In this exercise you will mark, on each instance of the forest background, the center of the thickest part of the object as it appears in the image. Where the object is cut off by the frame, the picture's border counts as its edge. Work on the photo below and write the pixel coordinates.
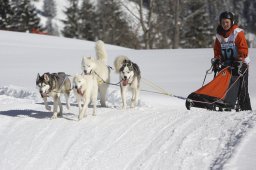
(138, 24)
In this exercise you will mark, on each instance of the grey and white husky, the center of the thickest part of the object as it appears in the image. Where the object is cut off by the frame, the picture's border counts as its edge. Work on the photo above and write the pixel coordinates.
(53, 85)
(130, 77)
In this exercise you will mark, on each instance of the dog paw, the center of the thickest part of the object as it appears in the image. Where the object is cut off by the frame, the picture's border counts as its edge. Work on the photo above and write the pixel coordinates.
(133, 104)
(54, 116)
(59, 114)
(103, 104)
(48, 108)
(81, 116)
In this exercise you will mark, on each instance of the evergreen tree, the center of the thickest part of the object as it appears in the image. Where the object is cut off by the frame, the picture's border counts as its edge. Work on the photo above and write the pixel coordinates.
(49, 11)
(197, 28)
(6, 15)
(49, 8)
(112, 25)
(25, 16)
(88, 24)
(71, 28)
(249, 13)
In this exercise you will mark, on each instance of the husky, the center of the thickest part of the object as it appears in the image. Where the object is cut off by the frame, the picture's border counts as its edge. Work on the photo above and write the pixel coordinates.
(52, 85)
(86, 89)
(98, 67)
(130, 77)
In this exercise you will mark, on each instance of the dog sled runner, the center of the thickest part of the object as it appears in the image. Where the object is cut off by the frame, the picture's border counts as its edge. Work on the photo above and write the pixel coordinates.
(219, 94)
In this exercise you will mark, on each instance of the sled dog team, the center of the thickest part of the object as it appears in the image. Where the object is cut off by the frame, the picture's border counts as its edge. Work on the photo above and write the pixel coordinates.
(94, 79)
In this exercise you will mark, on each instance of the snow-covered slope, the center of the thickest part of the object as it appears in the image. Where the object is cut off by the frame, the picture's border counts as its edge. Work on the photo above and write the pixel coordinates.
(159, 134)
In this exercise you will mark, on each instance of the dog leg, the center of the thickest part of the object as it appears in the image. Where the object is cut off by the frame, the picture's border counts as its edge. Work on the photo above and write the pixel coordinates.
(133, 103)
(55, 107)
(103, 93)
(47, 107)
(137, 94)
(67, 101)
(61, 108)
(123, 94)
(79, 104)
(135, 97)
(94, 100)
(82, 112)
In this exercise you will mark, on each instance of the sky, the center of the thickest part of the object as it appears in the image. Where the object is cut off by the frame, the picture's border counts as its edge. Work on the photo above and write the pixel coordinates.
(158, 134)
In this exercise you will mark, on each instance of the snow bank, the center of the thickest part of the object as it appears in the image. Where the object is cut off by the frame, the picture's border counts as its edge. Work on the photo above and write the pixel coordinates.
(18, 92)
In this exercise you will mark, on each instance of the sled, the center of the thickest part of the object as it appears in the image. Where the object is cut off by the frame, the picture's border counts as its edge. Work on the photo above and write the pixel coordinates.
(220, 94)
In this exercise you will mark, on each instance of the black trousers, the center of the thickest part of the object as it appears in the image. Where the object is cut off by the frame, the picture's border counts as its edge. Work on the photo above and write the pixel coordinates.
(243, 94)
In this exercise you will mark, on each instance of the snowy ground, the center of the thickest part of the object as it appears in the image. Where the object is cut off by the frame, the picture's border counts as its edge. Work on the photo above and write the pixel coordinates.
(159, 134)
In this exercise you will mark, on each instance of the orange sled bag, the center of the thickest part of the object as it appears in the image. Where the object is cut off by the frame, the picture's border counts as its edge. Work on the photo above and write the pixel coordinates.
(219, 94)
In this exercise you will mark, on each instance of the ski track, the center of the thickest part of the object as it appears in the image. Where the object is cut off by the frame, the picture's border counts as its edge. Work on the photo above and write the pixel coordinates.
(235, 135)
(171, 144)
(157, 144)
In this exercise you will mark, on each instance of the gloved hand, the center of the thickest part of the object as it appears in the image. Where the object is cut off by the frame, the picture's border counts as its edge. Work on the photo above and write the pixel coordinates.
(215, 64)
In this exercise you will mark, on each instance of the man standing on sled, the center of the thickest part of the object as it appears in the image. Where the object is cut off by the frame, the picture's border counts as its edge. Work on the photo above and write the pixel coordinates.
(231, 49)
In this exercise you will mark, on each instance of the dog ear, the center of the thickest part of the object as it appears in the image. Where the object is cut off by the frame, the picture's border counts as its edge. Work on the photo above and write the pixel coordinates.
(83, 59)
(129, 63)
(46, 77)
(38, 77)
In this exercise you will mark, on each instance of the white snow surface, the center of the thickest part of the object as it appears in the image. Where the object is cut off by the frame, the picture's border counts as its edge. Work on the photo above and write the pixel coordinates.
(158, 134)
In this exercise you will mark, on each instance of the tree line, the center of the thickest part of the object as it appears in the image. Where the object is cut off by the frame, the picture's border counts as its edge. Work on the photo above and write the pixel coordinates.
(144, 24)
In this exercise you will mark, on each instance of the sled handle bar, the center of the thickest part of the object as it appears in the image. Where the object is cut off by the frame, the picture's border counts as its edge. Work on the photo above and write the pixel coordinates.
(207, 72)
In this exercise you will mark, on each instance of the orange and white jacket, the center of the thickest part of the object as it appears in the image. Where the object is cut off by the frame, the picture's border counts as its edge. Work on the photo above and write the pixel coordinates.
(231, 45)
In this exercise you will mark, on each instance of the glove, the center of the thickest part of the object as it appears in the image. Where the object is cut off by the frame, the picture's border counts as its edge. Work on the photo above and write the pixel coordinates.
(215, 64)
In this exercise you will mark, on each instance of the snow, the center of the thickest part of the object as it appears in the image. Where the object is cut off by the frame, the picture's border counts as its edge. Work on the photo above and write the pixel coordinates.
(158, 134)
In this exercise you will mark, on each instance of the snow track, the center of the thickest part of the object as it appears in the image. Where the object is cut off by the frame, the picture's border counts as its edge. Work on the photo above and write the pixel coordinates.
(149, 137)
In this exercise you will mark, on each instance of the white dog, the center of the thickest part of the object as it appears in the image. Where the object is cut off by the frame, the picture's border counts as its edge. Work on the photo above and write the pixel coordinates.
(130, 78)
(86, 90)
(98, 67)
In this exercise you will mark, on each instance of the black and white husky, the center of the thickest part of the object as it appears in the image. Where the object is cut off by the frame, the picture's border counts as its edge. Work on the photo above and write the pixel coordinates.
(129, 79)
(53, 85)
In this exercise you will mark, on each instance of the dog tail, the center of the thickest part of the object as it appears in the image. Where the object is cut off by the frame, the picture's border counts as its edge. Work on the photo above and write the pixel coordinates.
(101, 52)
(119, 62)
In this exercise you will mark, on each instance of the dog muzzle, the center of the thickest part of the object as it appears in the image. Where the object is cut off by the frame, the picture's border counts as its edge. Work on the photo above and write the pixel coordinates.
(79, 91)
(125, 82)
(87, 73)
(43, 95)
